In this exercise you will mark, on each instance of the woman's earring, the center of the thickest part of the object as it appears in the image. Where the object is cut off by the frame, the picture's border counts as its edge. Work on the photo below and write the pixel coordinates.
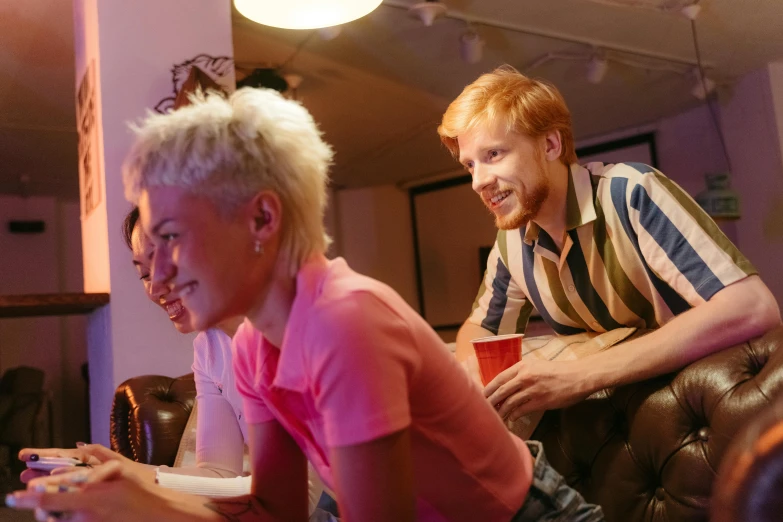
(259, 248)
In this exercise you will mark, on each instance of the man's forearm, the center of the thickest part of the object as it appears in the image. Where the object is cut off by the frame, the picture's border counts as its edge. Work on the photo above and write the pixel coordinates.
(737, 313)
(468, 332)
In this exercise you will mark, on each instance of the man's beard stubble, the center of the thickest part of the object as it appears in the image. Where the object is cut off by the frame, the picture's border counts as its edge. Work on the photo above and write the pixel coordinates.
(529, 205)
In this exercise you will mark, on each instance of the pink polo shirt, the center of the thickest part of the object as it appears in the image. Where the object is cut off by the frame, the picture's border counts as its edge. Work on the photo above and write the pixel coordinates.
(357, 364)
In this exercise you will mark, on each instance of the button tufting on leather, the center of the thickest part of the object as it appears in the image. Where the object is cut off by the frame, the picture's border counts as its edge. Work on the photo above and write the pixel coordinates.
(658, 431)
(164, 396)
(756, 363)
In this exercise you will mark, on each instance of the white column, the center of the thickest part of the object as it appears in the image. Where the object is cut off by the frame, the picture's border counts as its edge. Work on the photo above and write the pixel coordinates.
(753, 125)
(130, 56)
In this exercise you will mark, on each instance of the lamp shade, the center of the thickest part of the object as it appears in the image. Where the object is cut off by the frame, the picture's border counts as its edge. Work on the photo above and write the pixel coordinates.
(304, 14)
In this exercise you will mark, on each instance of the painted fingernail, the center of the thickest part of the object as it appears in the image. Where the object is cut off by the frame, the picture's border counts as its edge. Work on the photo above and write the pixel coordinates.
(78, 479)
(41, 515)
(80, 444)
(34, 457)
(40, 488)
(10, 500)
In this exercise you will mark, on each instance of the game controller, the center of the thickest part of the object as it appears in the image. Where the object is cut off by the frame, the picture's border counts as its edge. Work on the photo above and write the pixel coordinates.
(50, 463)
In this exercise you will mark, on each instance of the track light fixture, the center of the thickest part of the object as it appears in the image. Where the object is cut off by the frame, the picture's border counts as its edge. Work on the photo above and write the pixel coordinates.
(293, 80)
(596, 69)
(471, 46)
(702, 87)
(428, 11)
(691, 12)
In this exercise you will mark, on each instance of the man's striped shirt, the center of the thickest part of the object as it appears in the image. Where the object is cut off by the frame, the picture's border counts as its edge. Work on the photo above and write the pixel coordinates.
(638, 251)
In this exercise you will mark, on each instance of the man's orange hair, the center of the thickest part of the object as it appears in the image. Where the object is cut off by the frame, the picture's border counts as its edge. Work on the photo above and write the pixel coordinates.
(527, 106)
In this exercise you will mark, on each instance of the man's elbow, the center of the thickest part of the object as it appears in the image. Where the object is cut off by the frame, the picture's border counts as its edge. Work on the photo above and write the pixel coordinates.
(762, 313)
(768, 315)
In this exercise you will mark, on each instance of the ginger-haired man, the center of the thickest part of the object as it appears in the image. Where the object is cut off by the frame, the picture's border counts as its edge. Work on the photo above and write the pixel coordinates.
(592, 248)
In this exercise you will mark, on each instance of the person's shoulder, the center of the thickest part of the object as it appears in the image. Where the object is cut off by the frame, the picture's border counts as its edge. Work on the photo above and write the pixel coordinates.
(358, 323)
(345, 288)
(359, 304)
(626, 176)
(246, 348)
(350, 298)
(631, 170)
(246, 333)
(211, 340)
(210, 347)
(246, 341)
(201, 345)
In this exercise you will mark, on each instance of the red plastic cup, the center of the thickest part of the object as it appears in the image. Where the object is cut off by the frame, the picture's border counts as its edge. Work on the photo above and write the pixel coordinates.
(497, 353)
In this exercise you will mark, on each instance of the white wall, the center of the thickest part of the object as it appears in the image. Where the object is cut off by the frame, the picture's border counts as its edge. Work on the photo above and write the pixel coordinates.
(375, 236)
(134, 46)
(452, 224)
(46, 263)
(74, 328)
(753, 121)
(688, 147)
(138, 50)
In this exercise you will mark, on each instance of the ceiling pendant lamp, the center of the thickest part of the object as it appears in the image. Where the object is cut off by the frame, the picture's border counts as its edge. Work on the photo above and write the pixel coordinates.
(305, 14)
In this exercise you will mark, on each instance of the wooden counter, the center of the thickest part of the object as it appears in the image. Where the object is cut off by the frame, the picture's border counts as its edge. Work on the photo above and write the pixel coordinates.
(36, 305)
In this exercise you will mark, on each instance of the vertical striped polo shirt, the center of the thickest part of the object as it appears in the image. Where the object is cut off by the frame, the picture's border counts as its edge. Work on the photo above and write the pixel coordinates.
(638, 251)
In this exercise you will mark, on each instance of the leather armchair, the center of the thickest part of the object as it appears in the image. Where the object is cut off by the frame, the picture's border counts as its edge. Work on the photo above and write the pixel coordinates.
(648, 451)
(149, 415)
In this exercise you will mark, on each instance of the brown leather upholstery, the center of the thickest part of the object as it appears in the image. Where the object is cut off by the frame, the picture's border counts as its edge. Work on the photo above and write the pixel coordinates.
(24, 420)
(149, 416)
(749, 487)
(645, 452)
(650, 451)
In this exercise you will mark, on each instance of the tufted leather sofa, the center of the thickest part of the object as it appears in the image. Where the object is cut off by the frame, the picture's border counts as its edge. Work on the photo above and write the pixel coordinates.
(650, 451)
(645, 452)
(149, 415)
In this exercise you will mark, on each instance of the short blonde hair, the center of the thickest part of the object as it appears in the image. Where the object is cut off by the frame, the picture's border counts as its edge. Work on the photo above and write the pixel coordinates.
(229, 149)
(528, 106)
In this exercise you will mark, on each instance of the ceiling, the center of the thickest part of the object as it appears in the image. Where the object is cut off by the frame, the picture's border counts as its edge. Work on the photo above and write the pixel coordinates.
(37, 120)
(379, 89)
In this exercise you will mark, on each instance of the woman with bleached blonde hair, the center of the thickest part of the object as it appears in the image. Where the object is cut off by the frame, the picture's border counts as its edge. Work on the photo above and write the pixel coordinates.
(333, 366)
